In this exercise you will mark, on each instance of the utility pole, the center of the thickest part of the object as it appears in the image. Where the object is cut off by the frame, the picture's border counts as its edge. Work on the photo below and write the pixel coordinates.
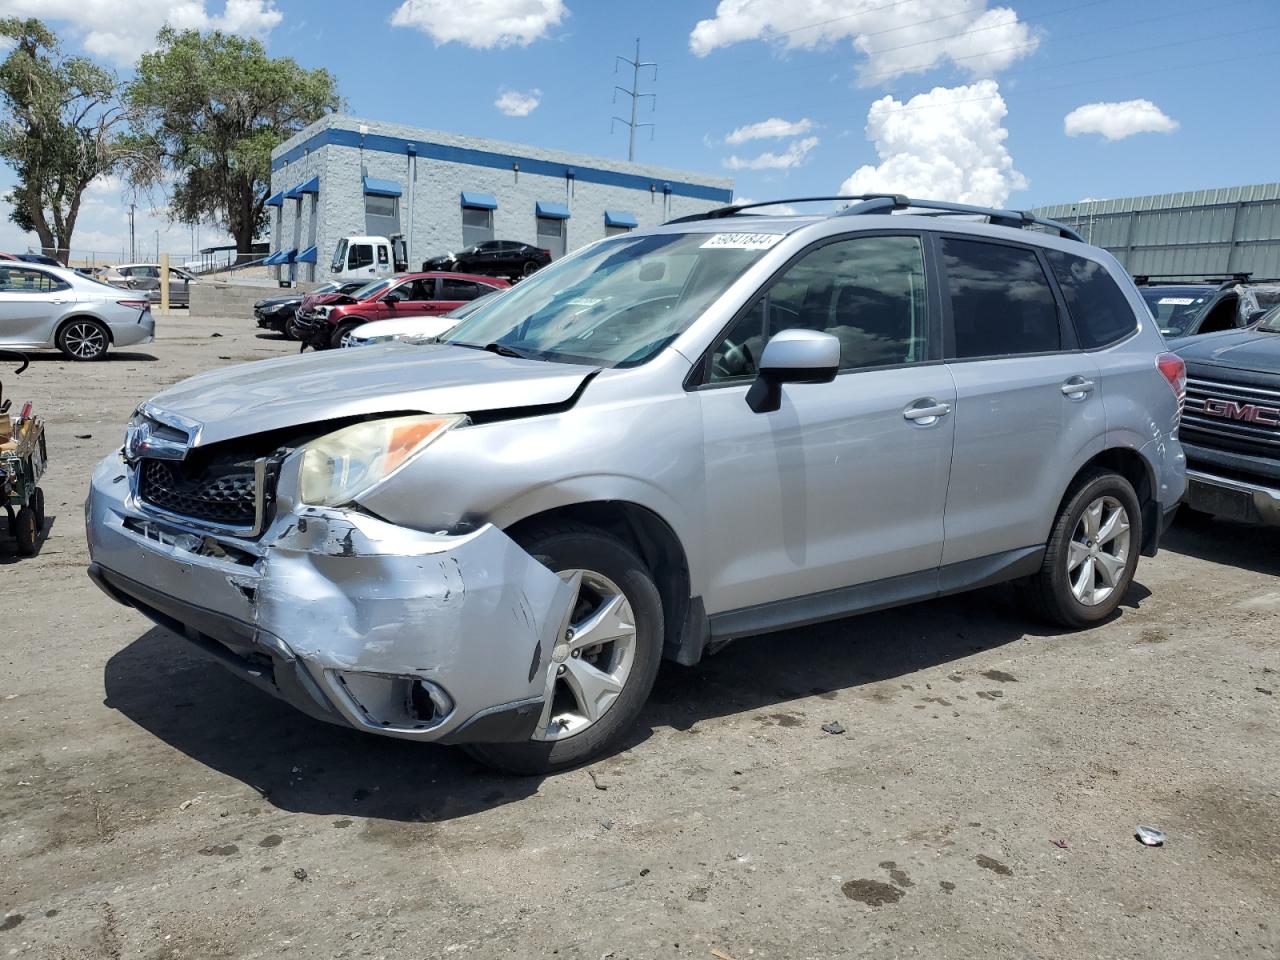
(634, 93)
(133, 255)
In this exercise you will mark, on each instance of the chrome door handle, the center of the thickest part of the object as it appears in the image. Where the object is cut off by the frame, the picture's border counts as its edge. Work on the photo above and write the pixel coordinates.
(926, 412)
(1077, 388)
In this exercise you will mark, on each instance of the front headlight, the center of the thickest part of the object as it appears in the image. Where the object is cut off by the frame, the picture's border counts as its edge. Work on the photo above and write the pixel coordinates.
(342, 465)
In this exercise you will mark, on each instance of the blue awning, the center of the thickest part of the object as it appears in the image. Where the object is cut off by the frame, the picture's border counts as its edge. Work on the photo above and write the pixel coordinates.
(279, 257)
(276, 200)
(311, 186)
(307, 256)
(620, 218)
(381, 188)
(479, 201)
(552, 211)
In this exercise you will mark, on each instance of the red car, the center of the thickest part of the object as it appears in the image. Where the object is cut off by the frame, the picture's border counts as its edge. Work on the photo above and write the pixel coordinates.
(405, 295)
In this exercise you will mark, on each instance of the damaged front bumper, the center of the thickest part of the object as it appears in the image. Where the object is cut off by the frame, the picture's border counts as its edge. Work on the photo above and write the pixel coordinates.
(349, 618)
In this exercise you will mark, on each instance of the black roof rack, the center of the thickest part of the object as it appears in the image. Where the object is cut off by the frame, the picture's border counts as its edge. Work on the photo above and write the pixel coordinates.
(1191, 279)
(869, 203)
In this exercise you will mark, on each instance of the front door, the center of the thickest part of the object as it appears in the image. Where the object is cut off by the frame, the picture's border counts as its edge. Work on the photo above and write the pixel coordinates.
(1028, 405)
(846, 483)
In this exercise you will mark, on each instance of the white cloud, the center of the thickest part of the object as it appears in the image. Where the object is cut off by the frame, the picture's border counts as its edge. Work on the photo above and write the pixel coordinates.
(516, 104)
(793, 156)
(1115, 121)
(481, 23)
(771, 129)
(947, 144)
(895, 38)
(122, 30)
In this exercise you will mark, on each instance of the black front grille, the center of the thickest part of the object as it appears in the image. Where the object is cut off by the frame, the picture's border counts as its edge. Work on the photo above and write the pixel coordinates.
(1232, 416)
(223, 498)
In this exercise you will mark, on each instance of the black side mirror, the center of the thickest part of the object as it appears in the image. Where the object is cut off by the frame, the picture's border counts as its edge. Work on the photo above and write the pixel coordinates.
(392, 298)
(793, 356)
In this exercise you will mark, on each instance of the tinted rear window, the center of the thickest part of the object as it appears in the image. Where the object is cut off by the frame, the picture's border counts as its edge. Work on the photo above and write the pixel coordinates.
(1001, 301)
(1098, 308)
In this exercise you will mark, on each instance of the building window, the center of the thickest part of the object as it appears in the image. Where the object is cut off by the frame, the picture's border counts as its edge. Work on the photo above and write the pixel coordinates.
(381, 215)
(477, 225)
(619, 221)
(611, 231)
(551, 235)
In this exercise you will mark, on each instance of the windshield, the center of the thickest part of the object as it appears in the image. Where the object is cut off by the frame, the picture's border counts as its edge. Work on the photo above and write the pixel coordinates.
(369, 289)
(618, 302)
(1175, 310)
(339, 257)
(329, 286)
(1271, 322)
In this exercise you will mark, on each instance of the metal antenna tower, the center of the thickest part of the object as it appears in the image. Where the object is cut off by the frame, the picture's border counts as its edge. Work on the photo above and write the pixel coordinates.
(634, 93)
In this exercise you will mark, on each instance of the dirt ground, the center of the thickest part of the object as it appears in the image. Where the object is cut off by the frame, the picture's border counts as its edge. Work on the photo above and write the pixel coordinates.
(981, 803)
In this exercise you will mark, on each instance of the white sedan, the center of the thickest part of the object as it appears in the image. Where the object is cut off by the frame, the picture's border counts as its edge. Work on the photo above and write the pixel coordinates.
(56, 308)
(414, 328)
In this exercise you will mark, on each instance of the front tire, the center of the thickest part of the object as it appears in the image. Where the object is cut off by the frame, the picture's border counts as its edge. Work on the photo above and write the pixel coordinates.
(340, 334)
(600, 673)
(1092, 552)
(27, 533)
(83, 339)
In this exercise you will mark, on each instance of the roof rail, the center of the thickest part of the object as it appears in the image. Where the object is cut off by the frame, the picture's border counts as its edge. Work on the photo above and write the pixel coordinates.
(869, 203)
(1189, 279)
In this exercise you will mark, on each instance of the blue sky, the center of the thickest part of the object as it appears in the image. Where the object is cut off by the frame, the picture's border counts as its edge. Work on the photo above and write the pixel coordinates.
(1161, 96)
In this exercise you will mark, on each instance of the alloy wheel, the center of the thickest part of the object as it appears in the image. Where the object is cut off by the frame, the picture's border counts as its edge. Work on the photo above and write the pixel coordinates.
(592, 660)
(1098, 554)
(85, 340)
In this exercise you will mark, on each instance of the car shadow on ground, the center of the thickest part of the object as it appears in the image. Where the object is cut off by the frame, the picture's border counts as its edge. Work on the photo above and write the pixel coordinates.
(111, 356)
(1247, 546)
(298, 764)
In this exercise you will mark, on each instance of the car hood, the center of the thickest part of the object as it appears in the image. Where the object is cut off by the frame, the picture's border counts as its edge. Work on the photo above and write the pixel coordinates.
(383, 378)
(270, 302)
(1238, 349)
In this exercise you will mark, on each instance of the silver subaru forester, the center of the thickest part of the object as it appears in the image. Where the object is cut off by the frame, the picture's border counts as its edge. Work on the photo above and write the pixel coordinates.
(726, 426)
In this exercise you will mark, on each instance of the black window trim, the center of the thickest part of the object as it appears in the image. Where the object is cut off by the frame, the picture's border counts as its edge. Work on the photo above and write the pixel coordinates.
(696, 378)
(1067, 342)
(56, 283)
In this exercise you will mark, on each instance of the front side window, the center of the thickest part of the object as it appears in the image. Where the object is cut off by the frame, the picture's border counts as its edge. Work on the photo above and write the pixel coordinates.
(1001, 301)
(616, 303)
(869, 292)
(1099, 310)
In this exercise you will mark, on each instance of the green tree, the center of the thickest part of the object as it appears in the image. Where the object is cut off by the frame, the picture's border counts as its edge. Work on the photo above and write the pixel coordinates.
(211, 107)
(58, 130)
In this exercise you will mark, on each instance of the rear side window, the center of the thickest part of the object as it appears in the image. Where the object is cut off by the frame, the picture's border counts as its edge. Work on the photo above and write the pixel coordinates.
(1001, 301)
(1098, 308)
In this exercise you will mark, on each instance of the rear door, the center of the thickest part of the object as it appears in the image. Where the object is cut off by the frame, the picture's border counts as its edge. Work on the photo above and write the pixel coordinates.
(31, 304)
(846, 483)
(1028, 401)
(452, 293)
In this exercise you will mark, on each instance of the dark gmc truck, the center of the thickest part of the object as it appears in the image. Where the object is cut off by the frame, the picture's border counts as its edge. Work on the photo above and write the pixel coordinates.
(1231, 423)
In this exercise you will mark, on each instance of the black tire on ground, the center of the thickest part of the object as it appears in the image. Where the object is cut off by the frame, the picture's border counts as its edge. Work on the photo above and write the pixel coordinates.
(291, 330)
(83, 339)
(569, 546)
(1049, 592)
(37, 507)
(335, 339)
(27, 534)
(530, 268)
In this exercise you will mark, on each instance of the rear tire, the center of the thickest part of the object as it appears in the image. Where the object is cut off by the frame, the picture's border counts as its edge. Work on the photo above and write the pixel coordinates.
(27, 534)
(530, 268)
(604, 564)
(37, 507)
(83, 339)
(1092, 552)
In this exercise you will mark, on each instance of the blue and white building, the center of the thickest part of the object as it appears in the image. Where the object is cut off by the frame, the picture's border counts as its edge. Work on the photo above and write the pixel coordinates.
(343, 176)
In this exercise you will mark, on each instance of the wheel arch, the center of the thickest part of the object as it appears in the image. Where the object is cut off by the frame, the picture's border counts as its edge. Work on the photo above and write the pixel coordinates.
(658, 545)
(1134, 467)
(81, 315)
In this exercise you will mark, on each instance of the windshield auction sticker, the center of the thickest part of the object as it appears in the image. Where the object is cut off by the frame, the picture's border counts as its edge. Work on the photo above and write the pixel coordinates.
(1177, 301)
(743, 241)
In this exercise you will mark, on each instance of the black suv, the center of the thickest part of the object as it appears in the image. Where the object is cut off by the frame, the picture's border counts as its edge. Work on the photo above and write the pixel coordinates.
(1231, 424)
(1184, 307)
(493, 258)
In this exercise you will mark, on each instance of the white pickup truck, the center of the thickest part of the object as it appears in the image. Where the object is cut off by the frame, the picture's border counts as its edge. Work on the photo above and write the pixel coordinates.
(367, 258)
